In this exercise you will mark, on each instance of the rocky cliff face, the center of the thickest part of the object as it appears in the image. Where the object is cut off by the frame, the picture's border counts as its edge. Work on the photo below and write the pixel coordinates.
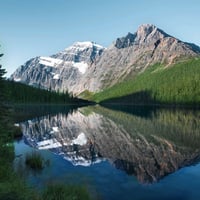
(132, 54)
(62, 71)
(87, 66)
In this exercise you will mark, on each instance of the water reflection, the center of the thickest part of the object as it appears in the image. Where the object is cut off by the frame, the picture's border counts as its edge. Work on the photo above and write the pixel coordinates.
(146, 147)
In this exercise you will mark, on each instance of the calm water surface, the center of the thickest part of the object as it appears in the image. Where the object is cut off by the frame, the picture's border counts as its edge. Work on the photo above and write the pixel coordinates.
(123, 152)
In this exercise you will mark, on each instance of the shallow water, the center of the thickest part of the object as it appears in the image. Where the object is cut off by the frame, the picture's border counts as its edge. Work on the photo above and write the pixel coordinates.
(126, 152)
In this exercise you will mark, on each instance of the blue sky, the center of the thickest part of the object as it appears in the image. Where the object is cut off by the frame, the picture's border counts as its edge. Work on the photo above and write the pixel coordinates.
(30, 28)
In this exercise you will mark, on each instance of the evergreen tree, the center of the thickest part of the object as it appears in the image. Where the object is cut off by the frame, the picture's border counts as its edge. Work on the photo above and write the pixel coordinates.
(2, 88)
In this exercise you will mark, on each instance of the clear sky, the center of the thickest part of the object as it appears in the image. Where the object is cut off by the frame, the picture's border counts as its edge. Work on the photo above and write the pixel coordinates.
(30, 28)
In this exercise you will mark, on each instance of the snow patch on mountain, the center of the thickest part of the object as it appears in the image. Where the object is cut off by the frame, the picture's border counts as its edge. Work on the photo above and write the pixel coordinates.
(55, 129)
(54, 62)
(82, 66)
(48, 61)
(56, 76)
(48, 144)
(81, 161)
(80, 140)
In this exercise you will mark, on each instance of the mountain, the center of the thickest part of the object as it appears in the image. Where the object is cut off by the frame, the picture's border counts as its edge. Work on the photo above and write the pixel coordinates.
(86, 68)
(62, 71)
(132, 54)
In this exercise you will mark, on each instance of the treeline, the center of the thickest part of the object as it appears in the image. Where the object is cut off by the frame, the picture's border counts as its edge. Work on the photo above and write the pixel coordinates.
(21, 93)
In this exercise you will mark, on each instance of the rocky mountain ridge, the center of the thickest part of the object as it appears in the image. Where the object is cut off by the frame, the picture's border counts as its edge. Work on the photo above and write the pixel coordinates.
(86, 66)
(61, 71)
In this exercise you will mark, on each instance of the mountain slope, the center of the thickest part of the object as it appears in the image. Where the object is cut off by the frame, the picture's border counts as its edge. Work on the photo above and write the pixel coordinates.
(132, 54)
(87, 68)
(178, 84)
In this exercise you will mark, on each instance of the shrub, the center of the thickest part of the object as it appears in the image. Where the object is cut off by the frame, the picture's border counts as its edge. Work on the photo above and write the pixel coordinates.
(34, 160)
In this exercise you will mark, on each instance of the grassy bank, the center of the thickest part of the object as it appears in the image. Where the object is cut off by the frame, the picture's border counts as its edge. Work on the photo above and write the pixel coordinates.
(13, 185)
(177, 84)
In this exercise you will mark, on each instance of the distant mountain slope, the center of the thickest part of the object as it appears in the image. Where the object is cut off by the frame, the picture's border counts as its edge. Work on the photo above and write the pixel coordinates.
(86, 68)
(132, 54)
(178, 84)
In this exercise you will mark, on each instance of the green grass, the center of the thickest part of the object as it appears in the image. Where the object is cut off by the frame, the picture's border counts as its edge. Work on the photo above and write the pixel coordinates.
(65, 192)
(34, 160)
(14, 188)
(177, 84)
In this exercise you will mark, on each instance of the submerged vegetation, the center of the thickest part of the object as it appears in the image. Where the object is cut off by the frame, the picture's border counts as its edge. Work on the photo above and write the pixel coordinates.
(177, 84)
(34, 160)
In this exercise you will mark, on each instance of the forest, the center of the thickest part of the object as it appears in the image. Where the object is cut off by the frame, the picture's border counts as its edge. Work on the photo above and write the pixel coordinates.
(20, 93)
(177, 84)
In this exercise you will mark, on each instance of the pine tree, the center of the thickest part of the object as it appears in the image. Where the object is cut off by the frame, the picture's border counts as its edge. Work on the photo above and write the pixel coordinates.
(2, 90)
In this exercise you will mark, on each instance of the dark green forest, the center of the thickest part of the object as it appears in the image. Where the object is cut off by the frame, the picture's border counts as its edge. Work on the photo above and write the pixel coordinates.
(24, 94)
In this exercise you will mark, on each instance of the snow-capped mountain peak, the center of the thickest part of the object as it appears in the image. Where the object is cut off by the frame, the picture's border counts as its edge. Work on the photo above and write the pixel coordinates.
(80, 46)
(80, 52)
(62, 70)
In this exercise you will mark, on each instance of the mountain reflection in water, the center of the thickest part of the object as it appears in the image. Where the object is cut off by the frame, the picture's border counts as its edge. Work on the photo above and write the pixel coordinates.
(146, 147)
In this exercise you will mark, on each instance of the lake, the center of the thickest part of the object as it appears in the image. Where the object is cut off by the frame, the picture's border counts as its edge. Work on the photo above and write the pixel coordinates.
(117, 152)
